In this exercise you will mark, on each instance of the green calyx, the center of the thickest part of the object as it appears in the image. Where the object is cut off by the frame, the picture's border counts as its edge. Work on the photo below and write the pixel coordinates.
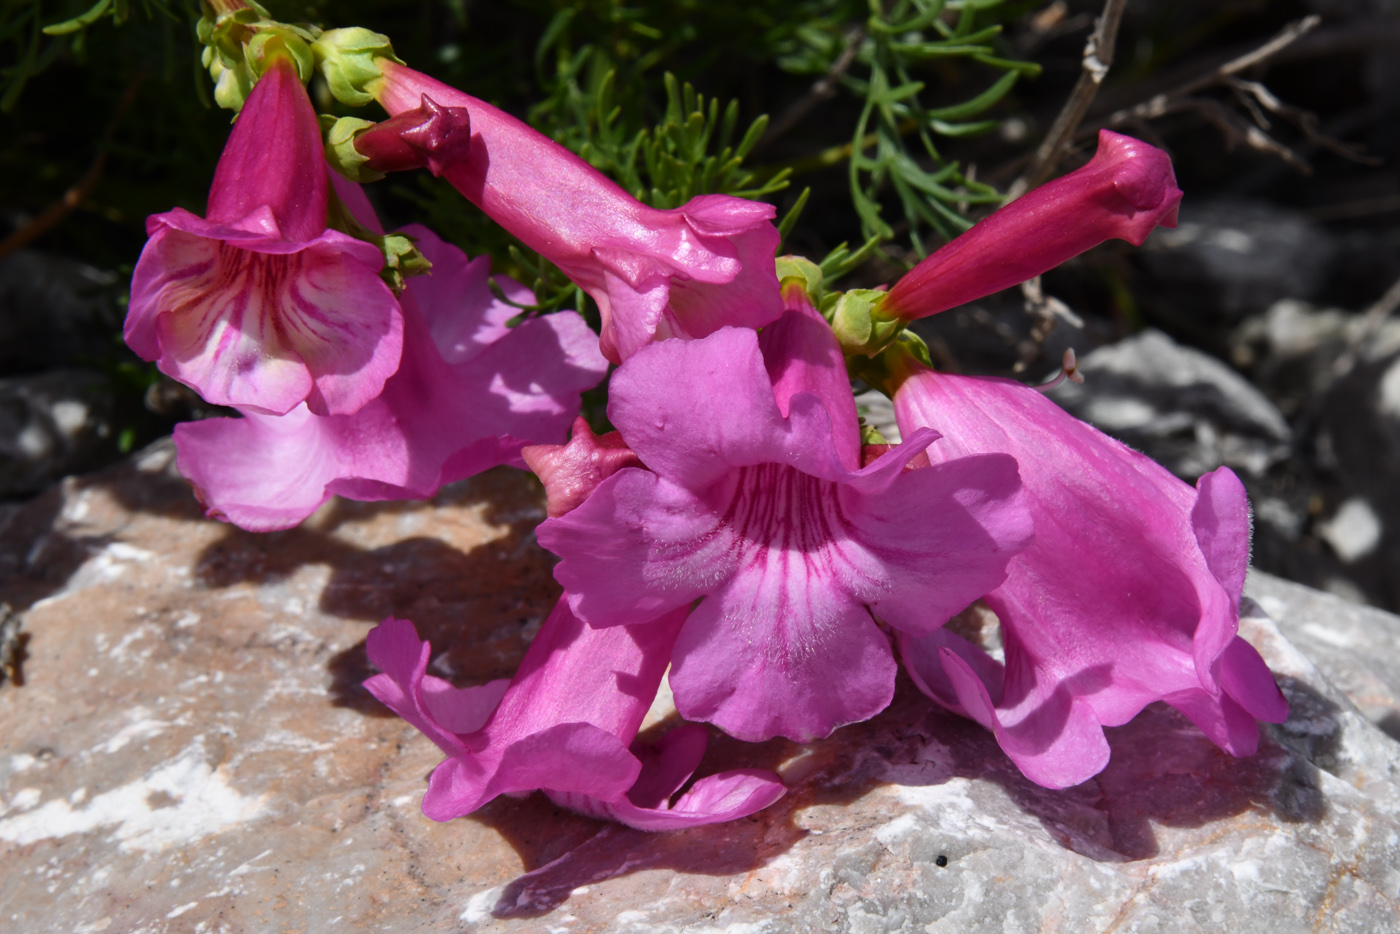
(349, 59)
(242, 42)
(870, 435)
(340, 148)
(801, 271)
(888, 369)
(401, 257)
(861, 324)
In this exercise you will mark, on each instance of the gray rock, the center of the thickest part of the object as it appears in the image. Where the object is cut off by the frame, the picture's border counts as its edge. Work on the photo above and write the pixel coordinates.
(190, 752)
(51, 425)
(1228, 259)
(1293, 351)
(1183, 408)
(1358, 441)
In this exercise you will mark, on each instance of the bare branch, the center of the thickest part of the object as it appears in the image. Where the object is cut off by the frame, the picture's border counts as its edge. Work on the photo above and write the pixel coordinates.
(821, 90)
(1098, 57)
(1159, 104)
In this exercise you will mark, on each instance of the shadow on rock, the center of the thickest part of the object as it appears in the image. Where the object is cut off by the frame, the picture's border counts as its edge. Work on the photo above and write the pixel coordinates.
(478, 604)
(1163, 772)
(577, 851)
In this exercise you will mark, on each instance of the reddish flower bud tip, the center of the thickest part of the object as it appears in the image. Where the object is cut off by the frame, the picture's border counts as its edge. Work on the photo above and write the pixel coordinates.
(430, 136)
(1125, 191)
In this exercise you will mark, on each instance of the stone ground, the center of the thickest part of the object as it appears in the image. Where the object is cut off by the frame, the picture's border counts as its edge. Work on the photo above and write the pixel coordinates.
(190, 752)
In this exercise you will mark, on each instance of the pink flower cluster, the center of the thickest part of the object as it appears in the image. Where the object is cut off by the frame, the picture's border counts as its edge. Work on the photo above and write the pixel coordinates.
(733, 531)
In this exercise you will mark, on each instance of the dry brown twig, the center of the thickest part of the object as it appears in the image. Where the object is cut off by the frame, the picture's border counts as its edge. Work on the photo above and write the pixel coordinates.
(1256, 99)
(824, 88)
(1098, 58)
(54, 214)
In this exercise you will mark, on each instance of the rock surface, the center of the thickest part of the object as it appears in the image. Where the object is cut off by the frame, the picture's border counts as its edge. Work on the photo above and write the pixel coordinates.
(190, 752)
(51, 425)
(1184, 408)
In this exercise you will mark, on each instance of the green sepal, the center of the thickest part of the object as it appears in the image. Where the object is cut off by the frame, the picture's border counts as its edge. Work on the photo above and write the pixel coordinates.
(349, 60)
(888, 369)
(340, 148)
(860, 323)
(280, 41)
(804, 272)
(402, 260)
(869, 434)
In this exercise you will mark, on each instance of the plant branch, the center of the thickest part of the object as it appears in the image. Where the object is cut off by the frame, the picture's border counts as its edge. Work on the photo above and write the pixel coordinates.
(1098, 58)
(823, 89)
(54, 214)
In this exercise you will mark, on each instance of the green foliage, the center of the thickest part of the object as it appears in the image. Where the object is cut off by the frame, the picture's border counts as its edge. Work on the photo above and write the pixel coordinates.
(877, 60)
(39, 33)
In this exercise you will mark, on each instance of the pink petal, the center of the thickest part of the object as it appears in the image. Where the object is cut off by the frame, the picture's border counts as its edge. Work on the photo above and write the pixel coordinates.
(802, 355)
(1115, 604)
(780, 652)
(684, 272)
(274, 158)
(722, 415)
(1125, 191)
(665, 768)
(571, 472)
(432, 424)
(1058, 745)
(713, 799)
(265, 323)
(437, 709)
(636, 548)
(566, 720)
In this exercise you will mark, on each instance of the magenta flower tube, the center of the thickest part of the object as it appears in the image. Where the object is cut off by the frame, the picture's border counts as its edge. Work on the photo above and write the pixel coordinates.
(1124, 192)
(654, 273)
(1129, 593)
(258, 305)
(566, 724)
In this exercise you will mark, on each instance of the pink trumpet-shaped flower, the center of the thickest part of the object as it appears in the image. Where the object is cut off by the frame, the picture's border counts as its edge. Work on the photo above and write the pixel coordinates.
(1124, 192)
(258, 305)
(755, 500)
(566, 724)
(470, 393)
(654, 273)
(1129, 593)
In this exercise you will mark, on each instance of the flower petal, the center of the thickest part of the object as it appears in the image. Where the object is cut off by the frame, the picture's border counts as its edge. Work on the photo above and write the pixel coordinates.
(432, 424)
(1121, 599)
(274, 159)
(437, 709)
(695, 410)
(638, 547)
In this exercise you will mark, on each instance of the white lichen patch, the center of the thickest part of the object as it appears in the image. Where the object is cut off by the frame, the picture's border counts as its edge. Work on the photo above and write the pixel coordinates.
(180, 802)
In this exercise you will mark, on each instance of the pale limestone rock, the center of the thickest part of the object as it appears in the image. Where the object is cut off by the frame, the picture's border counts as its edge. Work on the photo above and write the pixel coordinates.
(190, 753)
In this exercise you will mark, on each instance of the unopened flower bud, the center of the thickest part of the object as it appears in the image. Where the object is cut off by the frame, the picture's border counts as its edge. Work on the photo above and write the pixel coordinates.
(1125, 191)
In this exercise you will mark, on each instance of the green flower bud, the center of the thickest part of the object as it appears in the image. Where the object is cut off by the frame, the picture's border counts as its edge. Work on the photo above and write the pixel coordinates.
(859, 321)
(349, 60)
(401, 257)
(888, 369)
